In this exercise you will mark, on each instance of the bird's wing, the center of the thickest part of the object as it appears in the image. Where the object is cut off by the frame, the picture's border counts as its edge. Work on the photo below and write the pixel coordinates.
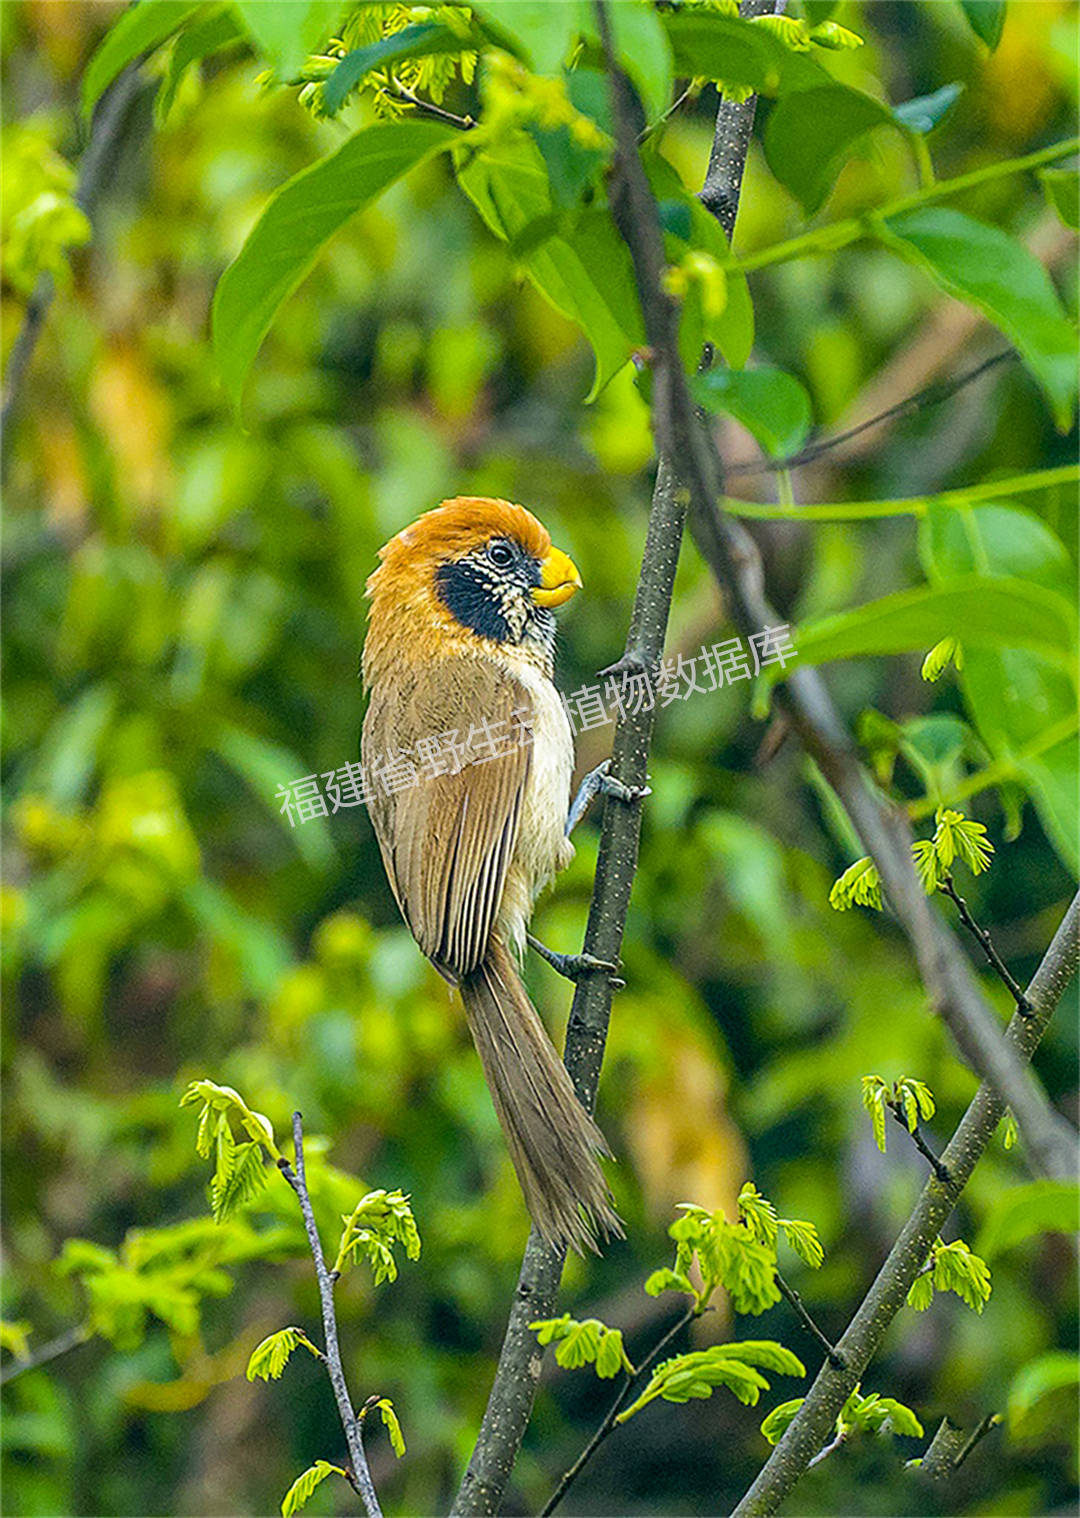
(447, 839)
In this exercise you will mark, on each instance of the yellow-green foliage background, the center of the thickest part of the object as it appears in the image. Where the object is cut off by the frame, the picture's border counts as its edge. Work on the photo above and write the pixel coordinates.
(182, 618)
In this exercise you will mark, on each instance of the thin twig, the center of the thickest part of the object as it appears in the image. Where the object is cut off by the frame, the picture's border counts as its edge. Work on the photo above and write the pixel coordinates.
(922, 400)
(836, 1442)
(862, 1338)
(517, 1374)
(920, 1143)
(978, 1434)
(605, 1428)
(70, 1339)
(999, 966)
(350, 1423)
(429, 108)
(834, 1359)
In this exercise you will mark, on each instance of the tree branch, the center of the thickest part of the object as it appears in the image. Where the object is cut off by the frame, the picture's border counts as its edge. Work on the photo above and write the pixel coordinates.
(110, 119)
(808, 1323)
(70, 1339)
(815, 1419)
(922, 400)
(614, 1410)
(993, 957)
(920, 1143)
(297, 1179)
(518, 1372)
(733, 555)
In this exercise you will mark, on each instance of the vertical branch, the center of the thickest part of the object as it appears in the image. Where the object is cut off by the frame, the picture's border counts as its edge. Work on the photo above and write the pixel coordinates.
(297, 1179)
(518, 1372)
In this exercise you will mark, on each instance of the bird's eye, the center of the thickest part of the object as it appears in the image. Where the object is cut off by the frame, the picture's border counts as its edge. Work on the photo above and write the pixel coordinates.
(500, 554)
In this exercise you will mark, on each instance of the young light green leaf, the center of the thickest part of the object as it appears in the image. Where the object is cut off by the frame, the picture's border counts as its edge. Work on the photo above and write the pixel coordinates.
(859, 885)
(758, 1213)
(776, 1424)
(269, 1359)
(992, 271)
(668, 1280)
(298, 1494)
(925, 858)
(15, 1338)
(393, 1427)
(136, 31)
(958, 837)
(875, 1093)
(811, 132)
(540, 32)
(421, 40)
(295, 226)
(947, 651)
(956, 1269)
(238, 1181)
(1009, 1131)
(921, 1293)
(803, 1238)
(768, 402)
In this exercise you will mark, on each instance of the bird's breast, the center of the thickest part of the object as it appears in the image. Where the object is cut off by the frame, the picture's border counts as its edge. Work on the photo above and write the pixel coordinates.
(542, 847)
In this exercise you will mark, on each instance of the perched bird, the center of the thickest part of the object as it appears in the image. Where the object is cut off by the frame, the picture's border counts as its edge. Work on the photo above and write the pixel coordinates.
(472, 746)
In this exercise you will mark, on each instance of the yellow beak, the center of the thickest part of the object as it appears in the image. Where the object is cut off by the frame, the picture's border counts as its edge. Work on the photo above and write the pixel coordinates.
(559, 579)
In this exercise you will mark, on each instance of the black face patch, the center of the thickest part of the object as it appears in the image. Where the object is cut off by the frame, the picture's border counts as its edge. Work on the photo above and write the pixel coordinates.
(471, 596)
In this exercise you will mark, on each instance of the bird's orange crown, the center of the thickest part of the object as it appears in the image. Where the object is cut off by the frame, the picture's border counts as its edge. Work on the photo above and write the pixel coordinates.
(404, 603)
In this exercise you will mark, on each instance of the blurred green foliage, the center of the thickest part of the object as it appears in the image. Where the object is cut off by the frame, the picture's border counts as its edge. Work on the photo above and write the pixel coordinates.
(183, 613)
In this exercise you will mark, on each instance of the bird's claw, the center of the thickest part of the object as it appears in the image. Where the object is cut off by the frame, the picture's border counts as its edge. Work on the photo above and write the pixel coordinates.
(608, 785)
(575, 966)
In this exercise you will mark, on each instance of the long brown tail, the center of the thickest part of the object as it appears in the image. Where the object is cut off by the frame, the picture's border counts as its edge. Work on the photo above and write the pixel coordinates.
(553, 1142)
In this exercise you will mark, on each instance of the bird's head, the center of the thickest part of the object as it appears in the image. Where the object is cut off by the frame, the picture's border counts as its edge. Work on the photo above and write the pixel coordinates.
(480, 568)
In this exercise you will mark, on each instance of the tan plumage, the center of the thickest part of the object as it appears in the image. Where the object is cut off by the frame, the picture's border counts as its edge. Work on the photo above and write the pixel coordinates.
(461, 644)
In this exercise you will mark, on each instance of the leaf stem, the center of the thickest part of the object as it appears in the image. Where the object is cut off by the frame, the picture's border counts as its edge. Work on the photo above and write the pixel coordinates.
(915, 1135)
(835, 1360)
(608, 1423)
(995, 960)
(839, 234)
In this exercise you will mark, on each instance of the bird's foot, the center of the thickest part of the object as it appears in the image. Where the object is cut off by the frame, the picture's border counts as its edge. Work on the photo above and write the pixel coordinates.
(575, 966)
(600, 782)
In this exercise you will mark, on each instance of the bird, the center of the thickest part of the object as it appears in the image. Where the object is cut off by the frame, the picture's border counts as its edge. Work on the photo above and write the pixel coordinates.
(470, 755)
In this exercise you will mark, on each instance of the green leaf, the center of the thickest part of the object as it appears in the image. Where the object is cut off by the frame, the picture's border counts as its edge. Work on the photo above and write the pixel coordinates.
(986, 268)
(239, 1182)
(269, 1359)
(874, 1095)
(803, 1238)
(986, 19)
(585, 271)
(779, 1420)
(1036, 1383)
(393, 1427)
(420, 41)
(921, 1294)
(541, 33)
(138, 30)
(287, 31)
(994, 613)
(298, 1494)
(769, 403)
(956, 1269)
(766, 1353)
(859, 885)
(810, 133)
(644, 51)
(1023, 1211)
(940, 657)
(206, 35)
(926, 112)
(758, 1213)
(695, 1375)
(737, 52)
(668, 1280)
(295, 226)
(899, 1418)
(1015, 696)
(1062, 188)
